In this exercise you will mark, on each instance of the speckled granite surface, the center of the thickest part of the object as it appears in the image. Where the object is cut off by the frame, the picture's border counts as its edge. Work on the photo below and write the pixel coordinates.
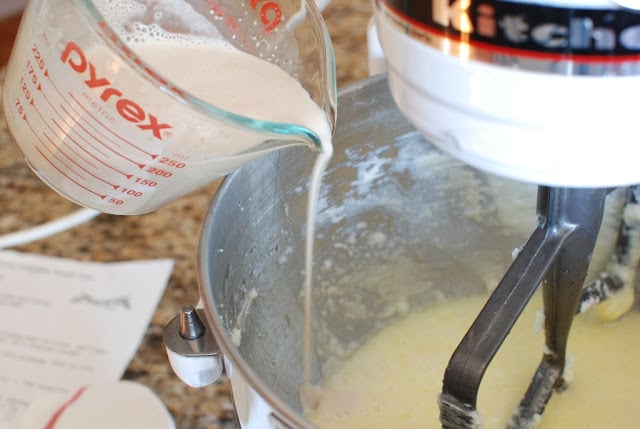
(171, 232)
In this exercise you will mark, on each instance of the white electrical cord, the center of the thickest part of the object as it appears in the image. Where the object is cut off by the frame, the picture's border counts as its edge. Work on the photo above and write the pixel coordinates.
(629, 4)
(47, 229)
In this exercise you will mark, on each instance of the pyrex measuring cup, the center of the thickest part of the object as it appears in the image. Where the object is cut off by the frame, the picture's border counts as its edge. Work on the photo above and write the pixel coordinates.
(124, 106)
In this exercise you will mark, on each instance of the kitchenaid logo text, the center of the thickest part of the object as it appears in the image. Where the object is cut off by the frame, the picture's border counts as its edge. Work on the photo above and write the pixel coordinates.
(529, 26)
(128, 109)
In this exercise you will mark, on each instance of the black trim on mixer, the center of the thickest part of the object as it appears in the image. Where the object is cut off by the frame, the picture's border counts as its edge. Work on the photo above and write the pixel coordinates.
(542, 31)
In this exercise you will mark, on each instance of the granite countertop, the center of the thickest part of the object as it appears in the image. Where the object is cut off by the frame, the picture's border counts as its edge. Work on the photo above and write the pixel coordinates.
(171, 232)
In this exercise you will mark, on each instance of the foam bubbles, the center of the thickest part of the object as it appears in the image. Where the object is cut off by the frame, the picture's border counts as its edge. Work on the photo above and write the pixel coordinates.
(145, 21)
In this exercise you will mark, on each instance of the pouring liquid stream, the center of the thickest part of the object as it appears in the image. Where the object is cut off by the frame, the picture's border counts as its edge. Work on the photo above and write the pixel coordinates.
(319, 167)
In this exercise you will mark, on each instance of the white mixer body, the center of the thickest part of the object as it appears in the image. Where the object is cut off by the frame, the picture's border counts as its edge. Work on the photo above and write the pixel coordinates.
(542, 92)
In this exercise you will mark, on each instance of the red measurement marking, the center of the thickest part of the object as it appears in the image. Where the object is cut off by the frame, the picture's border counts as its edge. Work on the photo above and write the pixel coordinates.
(102, 196)
(101, 161)
(109, 148)
(64, 135)
(54, 86)
(57, 158)
(119, 137)
(64, 118)
(270, 14)
(78, 154)
(49, 150)
(76, 121)
(33, 103)
(63, 141)
(59, 149)
(72, 128)
(54, 109)
(90, 114)
(62, 172)
(68, 115)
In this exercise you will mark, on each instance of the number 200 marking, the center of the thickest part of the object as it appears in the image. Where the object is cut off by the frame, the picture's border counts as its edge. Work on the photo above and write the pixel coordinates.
(159, 172)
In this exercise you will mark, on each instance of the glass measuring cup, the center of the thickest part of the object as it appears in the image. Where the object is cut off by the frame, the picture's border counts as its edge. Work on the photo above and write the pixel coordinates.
(124, 106)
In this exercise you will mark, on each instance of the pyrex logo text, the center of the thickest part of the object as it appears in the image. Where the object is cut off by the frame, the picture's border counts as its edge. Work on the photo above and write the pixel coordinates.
(126, 108)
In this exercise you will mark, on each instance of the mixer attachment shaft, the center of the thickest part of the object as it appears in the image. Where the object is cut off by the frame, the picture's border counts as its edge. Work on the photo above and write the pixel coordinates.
(558, 251)
(620, 272)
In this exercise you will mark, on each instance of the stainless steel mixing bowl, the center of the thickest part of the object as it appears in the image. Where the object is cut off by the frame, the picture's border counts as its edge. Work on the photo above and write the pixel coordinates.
(401, 226)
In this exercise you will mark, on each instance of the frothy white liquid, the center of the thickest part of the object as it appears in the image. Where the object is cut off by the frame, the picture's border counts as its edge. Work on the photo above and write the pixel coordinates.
(238, 83)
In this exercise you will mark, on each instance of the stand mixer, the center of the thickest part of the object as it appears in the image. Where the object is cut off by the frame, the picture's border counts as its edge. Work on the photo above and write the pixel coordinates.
(535, 92)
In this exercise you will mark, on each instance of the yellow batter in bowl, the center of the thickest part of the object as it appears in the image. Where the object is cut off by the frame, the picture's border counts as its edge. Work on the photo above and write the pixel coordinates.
(393, 380)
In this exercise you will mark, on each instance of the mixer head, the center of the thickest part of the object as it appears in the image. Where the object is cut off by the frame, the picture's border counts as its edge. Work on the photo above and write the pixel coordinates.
(535, 91)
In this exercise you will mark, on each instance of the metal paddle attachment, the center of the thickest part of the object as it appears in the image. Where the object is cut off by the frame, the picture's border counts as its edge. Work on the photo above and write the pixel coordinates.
(558, 255)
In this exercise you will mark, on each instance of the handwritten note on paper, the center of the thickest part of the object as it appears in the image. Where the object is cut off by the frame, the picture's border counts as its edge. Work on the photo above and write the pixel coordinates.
(66, 323)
